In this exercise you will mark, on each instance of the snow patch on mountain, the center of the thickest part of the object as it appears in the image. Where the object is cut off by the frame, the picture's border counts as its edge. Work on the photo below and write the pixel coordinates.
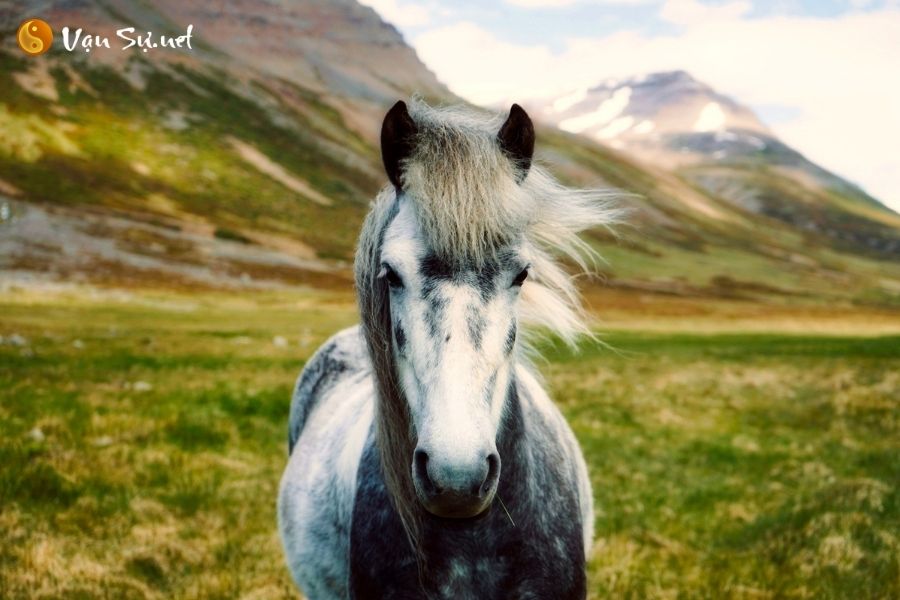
(712, 118)
(566, 102)
(608, 110)
(645, 127)
(620, 125)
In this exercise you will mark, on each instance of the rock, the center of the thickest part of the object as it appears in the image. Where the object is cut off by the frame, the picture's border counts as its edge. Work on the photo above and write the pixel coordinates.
(14, 340)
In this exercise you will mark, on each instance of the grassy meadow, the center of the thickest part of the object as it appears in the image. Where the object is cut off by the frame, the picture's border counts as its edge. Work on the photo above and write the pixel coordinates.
(142, 437)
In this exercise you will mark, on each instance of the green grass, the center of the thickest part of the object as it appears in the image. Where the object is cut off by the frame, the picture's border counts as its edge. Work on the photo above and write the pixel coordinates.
(142, 437)
(740, 465)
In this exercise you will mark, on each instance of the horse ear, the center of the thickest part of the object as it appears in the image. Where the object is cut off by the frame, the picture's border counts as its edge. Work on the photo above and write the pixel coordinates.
(397, 133)
(516, 139)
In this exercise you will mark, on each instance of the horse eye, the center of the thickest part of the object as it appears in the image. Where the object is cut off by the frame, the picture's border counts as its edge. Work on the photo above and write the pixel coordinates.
(392, 278)
(520, 278)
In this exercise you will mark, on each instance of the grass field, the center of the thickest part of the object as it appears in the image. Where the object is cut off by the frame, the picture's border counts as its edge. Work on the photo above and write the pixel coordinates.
(142, 437)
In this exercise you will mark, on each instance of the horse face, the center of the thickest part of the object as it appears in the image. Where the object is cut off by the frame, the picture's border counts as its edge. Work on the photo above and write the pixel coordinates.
(454, 333)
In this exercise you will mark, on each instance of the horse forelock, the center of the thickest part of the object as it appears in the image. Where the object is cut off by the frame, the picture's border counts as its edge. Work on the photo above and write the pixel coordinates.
(462, 186)
(471, 201)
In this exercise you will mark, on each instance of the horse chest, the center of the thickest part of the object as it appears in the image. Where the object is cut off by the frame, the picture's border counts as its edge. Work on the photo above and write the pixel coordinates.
(490, 558)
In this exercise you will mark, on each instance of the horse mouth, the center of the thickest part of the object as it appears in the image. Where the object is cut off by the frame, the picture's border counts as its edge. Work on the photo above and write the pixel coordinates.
(451, 506)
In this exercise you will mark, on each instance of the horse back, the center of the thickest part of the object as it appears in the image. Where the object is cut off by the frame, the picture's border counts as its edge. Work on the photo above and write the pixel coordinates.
(339, 357)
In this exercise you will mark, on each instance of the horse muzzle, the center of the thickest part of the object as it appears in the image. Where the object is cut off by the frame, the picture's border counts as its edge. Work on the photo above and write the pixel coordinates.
(455, 489)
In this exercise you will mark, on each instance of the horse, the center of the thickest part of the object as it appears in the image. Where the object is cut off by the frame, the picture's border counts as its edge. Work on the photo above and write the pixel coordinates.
(425, 458)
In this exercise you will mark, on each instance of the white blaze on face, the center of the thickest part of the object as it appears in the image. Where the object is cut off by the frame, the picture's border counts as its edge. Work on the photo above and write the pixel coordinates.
(451, 345)
(452, 402)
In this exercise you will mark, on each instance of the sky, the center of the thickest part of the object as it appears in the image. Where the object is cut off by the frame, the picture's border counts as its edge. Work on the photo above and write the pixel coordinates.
(823, 74)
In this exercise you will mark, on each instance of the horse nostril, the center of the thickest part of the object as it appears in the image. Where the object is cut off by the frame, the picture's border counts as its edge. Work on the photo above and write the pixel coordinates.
(420, 459)
(493, 473)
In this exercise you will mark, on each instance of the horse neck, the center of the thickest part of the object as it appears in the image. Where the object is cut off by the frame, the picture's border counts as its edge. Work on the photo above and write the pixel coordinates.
(512, 442)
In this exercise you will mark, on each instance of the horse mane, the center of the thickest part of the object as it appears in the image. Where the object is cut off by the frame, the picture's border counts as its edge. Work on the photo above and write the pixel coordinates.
(470, 199)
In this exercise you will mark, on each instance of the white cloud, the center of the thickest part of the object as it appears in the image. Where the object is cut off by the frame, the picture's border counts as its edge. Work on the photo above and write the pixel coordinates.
(478, 66)
(839, 73)
(486, 70)
(690, 12)
(562, 3)
(401, 14)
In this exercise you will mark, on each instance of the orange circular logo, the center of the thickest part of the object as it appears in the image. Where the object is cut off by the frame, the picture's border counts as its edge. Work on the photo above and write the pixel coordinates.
(34, 37)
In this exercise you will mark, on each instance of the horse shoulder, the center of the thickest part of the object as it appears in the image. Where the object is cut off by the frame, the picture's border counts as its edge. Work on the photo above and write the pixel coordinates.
(331, 417)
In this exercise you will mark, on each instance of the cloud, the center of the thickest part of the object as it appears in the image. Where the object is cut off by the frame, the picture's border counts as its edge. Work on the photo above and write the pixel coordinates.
(837, 75)
(401, 14)
(484, 69)
(690, 12)
(563, 3)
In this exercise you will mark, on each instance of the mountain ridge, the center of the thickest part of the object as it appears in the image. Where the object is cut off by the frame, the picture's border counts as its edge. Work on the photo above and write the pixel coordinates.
(208, 170)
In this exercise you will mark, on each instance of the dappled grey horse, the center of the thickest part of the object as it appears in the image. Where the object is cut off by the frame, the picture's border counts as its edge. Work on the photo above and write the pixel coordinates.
(426, 460)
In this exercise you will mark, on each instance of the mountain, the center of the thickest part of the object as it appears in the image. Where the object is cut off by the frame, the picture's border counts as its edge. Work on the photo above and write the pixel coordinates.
(250, 161)
(666, 118)
(683, 125)
(262, 135)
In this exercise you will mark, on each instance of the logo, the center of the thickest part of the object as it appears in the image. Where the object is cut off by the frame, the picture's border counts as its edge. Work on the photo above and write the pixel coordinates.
(34, 37)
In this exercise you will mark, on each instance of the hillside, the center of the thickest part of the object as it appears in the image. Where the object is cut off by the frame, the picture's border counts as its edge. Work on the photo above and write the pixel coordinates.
(162, 163)
(250, 161)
